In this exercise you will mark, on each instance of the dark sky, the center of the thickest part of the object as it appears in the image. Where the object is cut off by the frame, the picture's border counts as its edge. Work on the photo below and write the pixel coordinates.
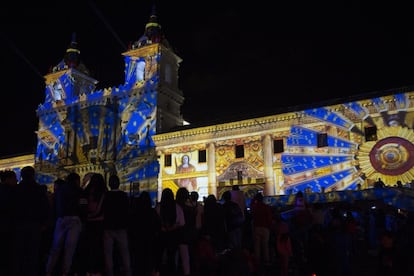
(243, 58)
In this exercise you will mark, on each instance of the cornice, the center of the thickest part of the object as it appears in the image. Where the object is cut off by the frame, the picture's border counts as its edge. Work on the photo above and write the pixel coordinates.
(235, 129)
(148, 50)
(49, 78)
(18, 161)
(272, 123)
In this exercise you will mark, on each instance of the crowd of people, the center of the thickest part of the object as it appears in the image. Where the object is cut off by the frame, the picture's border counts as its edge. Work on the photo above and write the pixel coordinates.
(90, 227)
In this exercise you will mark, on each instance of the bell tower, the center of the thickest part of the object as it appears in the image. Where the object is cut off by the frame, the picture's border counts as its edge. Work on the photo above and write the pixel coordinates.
(152, 62)
(110, 130)
(67, 81)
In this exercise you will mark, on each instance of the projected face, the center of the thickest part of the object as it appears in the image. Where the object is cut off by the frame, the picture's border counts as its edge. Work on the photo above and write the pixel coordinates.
(58, 93)
(140, 70)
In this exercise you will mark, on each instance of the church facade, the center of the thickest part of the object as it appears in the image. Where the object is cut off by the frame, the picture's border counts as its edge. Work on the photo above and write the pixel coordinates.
(136, 130)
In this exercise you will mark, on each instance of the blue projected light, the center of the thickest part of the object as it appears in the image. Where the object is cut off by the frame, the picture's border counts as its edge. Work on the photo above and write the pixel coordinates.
(330, 117)
(316, 184)
(315, 170)
(293, 164)
(301, 136)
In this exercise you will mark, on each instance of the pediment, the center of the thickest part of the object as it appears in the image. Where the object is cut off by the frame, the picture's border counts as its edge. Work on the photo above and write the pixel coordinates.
(246, 169)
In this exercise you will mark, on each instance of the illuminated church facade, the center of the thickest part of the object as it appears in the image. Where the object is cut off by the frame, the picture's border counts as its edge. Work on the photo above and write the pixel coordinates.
(136, 130)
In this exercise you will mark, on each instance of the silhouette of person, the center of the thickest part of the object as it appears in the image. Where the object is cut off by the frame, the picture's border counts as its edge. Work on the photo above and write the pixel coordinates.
(32, 209)
(379, 183)
(8, 184)
(115, 236)
(238, 196)
(68, 223)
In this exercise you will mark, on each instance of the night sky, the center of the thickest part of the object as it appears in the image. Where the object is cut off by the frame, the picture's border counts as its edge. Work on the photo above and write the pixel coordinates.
(243, 59)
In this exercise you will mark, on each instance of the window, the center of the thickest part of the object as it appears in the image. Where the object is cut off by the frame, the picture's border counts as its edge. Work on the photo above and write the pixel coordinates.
(239, 151)
(167, 160)
(140, 70)
(322, 140)
(371, 133)
(278, 146)
(202, 156)
(168, 74)
(58, 92)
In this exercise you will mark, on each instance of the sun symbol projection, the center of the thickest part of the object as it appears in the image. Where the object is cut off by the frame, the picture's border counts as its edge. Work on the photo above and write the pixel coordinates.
(391, 157)
(351, 152)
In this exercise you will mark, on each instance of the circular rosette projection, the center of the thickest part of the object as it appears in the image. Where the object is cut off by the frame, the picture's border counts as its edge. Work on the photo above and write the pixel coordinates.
(391, 158)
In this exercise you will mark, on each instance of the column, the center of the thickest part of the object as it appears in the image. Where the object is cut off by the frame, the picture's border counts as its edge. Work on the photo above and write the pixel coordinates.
(211, 165)
(278, 177)
(269, 188)
(161, 161)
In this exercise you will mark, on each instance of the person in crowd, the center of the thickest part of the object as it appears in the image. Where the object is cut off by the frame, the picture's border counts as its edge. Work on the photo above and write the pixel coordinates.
(234, 221)
(379, 183)
(411, 184)
(262, 218)
(8, 178)
(301, 223)
(206, 259)
(68, 223)
(92, 247)
(318, 216)
(388, 255)
(189, 231)
(8, 186)
(52, 217)
(239, 197)
(172, 223)
(31, 215)
(145, 227)
(116, 216)
(213, 224)
(339, 246)
(283, 245)
(86, 179)
(199, 209)
(47, 230)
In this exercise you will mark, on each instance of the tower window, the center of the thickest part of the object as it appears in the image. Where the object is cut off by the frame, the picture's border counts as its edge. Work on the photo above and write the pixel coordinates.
(168, 74)
(140, 70)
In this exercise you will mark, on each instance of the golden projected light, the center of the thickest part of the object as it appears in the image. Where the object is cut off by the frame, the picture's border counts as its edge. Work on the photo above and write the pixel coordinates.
(391, 157)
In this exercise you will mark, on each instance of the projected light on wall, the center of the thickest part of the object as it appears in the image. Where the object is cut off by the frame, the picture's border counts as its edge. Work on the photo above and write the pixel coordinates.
(349, 158)
(101, 126)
